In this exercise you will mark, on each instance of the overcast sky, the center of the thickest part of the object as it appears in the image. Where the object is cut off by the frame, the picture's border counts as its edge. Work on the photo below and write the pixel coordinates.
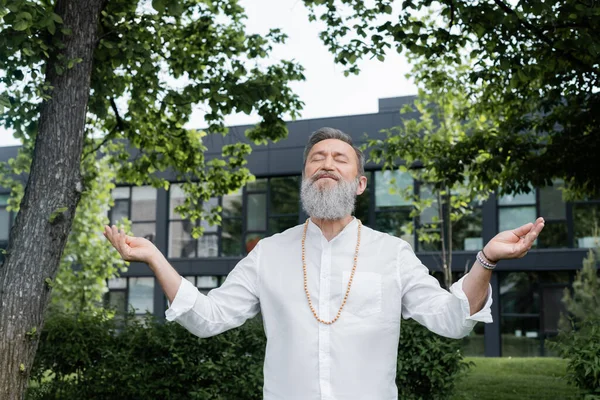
(326, 92)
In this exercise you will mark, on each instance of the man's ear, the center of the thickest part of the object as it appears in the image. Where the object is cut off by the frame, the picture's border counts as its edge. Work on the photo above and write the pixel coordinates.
(362, 185)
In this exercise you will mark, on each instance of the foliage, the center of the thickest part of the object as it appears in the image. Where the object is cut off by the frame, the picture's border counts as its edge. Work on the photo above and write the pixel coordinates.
(428, 364)
(533, 66)
(153, 65)
(432, 130)
(92, 356)
(88, 259)
(579, 336)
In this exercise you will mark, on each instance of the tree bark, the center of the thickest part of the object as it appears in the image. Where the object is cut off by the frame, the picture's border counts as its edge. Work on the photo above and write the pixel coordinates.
(51, 196)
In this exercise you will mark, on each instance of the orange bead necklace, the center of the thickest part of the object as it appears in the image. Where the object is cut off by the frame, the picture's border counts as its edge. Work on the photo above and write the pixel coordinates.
(349, 281)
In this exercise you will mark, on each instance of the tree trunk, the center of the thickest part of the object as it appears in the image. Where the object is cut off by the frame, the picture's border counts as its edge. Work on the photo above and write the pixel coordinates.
(51, 196)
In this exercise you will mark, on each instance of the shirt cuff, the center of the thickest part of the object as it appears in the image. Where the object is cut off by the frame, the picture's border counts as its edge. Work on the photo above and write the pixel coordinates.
(184, 300)
(483, 315)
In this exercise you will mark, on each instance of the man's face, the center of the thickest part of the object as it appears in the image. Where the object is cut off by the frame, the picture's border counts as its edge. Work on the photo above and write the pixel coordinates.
(330, 161)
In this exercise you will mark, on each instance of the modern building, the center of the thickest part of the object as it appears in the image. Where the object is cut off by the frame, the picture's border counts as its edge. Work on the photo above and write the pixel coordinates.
(527, 291)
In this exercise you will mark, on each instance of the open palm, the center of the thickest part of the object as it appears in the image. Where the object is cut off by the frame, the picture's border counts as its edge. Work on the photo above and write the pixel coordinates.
(130, 248)
(513, 243)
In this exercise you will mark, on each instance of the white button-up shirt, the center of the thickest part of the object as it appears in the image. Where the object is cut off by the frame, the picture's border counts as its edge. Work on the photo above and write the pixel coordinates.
(354, 358)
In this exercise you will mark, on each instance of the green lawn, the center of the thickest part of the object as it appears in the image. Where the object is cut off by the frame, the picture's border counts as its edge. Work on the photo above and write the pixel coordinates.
(515, 379)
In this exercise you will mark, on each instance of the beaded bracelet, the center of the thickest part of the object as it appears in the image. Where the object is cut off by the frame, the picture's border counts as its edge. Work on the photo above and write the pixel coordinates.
(484, 263)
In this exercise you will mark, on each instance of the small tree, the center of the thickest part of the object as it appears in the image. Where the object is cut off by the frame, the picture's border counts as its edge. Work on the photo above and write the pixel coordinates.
(579, 330)
(433, 128)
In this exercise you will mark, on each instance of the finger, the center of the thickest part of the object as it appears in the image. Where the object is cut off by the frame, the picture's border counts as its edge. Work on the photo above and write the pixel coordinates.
(522, 230)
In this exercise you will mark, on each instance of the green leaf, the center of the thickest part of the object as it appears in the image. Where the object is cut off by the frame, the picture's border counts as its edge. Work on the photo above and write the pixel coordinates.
(21, 25)
(52, 28)
(57, 18)
(159, 5)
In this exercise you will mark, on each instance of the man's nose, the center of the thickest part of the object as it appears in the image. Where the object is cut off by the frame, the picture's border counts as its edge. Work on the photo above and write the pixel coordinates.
(328, 164)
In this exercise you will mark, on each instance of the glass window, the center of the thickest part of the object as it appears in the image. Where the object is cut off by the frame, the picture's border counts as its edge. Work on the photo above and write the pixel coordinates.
(552, 206)
(256, 217)
(232, 204)
(520, 336)
(143, 203)
(466, 232)
(146, 230)
(513, 217)
(117, 283)
(390, 187)
(121, 192)
(285, 195)
(393, 223)
(231, 237)
(117, 300)
(257, 185)
(555, 235)
(207, 282)
(208, 246)
(141, 294)
(119, 211)
(518, 293)
(586, 224)
(181, 243)
(176, 198)
(280, 224)
(474, 344)
(208, 206)
(519, 199)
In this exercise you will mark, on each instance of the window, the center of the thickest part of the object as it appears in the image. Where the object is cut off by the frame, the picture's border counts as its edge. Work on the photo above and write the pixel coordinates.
(125, 294)
(232, 224)
(138, 204)
(530, 304)
(273, 206)
(554, 211)
(181, 242)
(516, 210)
(586, 224)
(207, 282)
(392, 210)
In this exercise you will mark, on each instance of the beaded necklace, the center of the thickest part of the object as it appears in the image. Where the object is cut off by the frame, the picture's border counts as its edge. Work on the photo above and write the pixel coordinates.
(349, 281)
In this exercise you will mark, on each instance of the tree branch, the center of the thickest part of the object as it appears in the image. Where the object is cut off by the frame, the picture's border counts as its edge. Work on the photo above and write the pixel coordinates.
(540, 35)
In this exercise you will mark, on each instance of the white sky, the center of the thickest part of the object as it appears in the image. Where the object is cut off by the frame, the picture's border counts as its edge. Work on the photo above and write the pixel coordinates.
(326, 91)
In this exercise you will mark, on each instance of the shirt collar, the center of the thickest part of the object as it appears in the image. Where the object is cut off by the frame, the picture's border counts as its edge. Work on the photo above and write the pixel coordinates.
(314, 230)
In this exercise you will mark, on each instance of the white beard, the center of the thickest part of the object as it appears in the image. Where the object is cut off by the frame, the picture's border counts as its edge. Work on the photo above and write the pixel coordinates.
(328, 203)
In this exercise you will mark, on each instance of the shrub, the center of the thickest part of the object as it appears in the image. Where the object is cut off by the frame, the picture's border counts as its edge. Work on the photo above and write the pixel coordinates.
(428, 364)
(92, 356)
(578, 340)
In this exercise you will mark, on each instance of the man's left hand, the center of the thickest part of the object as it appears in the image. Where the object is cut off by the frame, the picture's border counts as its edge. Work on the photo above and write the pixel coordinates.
(513, 243)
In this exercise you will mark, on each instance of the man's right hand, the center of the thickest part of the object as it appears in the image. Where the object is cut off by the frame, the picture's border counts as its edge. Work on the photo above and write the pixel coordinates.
(130, 248)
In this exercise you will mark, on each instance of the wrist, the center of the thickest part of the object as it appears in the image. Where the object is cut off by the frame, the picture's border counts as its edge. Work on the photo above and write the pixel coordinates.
(486, 254)
(155, 259)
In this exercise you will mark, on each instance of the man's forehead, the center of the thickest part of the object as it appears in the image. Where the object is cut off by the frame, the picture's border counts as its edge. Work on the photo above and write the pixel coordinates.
(332, 145)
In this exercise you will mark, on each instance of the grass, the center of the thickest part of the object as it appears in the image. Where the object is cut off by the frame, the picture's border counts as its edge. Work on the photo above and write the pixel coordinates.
(515, 379)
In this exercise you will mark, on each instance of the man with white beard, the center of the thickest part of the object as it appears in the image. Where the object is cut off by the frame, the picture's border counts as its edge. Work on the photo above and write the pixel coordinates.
(331, 291)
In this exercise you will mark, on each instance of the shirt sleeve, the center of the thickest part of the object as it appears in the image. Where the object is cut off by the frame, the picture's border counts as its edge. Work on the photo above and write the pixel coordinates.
(225, 307)
(424, 300)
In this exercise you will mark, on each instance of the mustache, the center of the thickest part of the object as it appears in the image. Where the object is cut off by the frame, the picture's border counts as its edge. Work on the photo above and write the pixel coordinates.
(325, 174)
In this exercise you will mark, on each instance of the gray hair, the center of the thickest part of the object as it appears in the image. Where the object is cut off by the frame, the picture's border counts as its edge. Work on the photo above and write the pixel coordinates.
(331, 133)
